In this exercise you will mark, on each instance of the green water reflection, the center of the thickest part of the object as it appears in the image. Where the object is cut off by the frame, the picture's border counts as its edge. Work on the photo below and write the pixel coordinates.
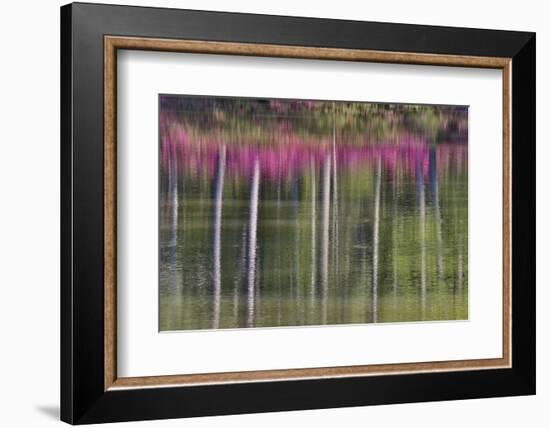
(280, 214)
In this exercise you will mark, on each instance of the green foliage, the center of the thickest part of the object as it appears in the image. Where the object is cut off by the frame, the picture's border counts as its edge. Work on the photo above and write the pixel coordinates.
(260, 119)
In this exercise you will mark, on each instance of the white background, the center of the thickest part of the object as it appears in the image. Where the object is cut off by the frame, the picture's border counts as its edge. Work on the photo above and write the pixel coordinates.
(142, 351)
(29, 230)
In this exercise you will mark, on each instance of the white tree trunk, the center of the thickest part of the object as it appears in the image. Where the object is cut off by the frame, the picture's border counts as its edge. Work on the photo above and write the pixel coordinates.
(375, 240)
(252, 236)
(325, 234)
(334, 196)
(313, 230)
(422, 226)
(218, 203)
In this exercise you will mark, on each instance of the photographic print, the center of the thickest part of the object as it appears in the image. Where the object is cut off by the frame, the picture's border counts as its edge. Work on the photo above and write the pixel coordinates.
(284, 212)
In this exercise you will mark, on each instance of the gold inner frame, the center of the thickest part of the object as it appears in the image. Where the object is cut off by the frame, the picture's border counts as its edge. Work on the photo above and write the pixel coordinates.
(113, 43)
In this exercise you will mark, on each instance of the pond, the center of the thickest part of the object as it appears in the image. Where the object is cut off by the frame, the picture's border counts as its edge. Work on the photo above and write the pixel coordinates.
(292, 213)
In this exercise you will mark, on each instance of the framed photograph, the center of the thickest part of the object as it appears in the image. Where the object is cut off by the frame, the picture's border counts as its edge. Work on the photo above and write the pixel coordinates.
(265, 213)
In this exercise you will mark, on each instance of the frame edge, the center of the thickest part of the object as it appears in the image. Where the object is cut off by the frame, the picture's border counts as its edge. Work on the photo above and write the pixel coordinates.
(113, 43)
(523, 131)
(66, 315)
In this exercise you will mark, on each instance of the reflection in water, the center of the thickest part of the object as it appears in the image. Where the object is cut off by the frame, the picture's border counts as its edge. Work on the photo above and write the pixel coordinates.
(324, 244)
(288, 213)
(313, 180)
(252, 231)
(375, 232)
(422, 228)
(218, 192)
(334, 193)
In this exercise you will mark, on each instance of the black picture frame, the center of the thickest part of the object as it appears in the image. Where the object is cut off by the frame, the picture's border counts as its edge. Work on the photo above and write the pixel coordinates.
(83, 398)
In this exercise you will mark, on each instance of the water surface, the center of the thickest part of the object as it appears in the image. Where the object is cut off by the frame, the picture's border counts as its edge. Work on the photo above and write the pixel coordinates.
(290, 213)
